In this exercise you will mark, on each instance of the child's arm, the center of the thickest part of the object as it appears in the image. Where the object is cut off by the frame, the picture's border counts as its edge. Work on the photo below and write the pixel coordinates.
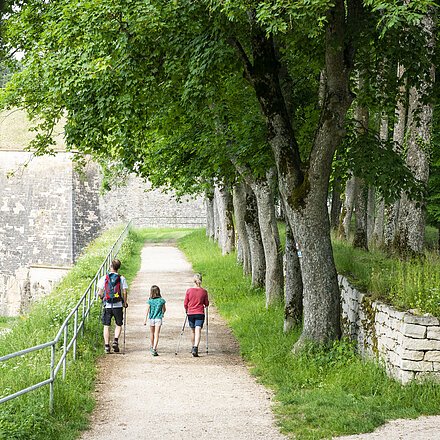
(164, 308)
(146, 314)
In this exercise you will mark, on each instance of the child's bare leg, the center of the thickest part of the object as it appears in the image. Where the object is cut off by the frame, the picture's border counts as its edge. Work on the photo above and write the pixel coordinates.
(197, 334)
(151, 335)
(192, 336)
(156, 336)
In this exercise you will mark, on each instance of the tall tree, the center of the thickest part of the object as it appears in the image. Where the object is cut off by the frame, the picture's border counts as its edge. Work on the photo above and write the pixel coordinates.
(145, 82)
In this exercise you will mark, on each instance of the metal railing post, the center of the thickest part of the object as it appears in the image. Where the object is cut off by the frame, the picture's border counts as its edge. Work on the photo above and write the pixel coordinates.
(75, 333)
(66, 328)
(52, 377)
(83, 328)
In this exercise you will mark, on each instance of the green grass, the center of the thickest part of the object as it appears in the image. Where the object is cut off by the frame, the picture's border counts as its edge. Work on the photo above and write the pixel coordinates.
(321, 392)
(412, 284)
(27, 417)
(431, 238)
(7, 322)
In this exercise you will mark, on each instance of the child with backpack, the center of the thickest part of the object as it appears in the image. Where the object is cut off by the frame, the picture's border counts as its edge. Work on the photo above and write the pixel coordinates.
(155, 311)
(112, 289)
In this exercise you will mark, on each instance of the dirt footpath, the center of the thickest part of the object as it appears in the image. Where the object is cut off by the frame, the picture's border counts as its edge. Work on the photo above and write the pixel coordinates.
(176, 397)
(423, 428)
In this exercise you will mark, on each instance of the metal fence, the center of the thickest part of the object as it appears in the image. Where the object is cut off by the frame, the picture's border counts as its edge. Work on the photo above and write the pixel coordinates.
(75, 321)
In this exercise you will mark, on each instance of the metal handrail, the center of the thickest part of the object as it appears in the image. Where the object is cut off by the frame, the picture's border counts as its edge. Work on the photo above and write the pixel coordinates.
(86, 302)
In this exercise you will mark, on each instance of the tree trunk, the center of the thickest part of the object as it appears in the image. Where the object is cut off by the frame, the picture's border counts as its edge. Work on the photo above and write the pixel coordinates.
(371, 212)
(361, 198)
(271, 241)
(239, 200)
(210, 222)
(377, 238)
(258, 263)
(269, 233)
(293, 308)
(304, 194)
(335, 210)
(350, 197)
(360, 239)
(378, 231)
(392, 211)
(225, 210)
(411, 229)
(216, 216)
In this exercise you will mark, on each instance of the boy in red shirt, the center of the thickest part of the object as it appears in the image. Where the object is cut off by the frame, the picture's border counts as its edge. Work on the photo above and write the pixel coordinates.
(196, 299)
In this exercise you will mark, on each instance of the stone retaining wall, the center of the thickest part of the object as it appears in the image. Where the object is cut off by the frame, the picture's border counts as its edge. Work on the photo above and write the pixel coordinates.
(408, 345)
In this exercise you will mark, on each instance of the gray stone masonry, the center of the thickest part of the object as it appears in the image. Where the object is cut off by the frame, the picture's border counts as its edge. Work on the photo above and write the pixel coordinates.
(49, 213)
(407, 344)
(150, 208)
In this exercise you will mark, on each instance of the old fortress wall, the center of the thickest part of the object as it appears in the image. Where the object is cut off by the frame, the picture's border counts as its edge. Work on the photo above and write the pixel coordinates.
(49, 213)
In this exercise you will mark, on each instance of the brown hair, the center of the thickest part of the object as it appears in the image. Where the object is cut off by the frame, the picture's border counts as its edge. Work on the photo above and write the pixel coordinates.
(116, 264)
(155, 292)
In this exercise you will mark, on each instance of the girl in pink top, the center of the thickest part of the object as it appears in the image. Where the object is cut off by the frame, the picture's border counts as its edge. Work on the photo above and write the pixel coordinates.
(196, 299)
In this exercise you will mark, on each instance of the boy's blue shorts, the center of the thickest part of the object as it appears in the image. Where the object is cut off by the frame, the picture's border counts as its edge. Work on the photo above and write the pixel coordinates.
(196, 320)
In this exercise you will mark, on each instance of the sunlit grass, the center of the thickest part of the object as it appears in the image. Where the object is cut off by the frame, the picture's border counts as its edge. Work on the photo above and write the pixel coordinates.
(322, 392)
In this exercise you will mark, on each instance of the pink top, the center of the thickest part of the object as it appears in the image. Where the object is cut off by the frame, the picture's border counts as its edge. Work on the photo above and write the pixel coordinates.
(195, 300)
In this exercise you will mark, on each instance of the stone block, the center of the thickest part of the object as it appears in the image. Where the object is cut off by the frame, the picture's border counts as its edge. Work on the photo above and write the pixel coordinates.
(420, 344)
(416, 365)
(413, 355)
(421, 319)
(414, 330)
(432, 356)
(405, 376)
(396, 314)
(381, 318)
(433, 333)
(387, 342)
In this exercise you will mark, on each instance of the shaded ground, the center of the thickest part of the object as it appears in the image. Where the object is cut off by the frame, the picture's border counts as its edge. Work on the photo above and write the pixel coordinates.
(176, 397)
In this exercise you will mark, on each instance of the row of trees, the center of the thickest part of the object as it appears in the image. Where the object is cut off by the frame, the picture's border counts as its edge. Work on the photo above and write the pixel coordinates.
(248, 103)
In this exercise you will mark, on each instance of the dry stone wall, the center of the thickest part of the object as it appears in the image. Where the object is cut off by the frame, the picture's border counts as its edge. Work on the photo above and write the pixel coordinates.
(408, 345)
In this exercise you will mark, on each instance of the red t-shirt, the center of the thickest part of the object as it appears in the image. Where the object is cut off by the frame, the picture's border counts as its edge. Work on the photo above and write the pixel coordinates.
(196, 299)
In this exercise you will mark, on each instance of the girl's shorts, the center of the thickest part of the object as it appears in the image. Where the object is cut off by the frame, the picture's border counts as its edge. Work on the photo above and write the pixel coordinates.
(196, 320)
(155, 322)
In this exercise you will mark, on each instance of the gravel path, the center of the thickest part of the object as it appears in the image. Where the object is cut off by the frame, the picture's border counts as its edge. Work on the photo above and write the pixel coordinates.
(423, 428)
(176, 397)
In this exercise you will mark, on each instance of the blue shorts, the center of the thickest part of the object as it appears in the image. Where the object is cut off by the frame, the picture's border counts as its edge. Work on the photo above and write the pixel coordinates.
(196, 320)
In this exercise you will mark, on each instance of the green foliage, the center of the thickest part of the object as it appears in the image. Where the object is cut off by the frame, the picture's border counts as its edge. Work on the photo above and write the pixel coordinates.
(378, 163)
(323, 391)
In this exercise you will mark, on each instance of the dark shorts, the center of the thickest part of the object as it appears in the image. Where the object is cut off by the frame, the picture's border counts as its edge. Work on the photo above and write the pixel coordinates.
(116, 312)
(196, 320)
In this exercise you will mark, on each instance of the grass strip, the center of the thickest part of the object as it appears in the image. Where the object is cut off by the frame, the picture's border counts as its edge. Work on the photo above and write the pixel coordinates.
(320, 393)
(406, 284)
(27, 417)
